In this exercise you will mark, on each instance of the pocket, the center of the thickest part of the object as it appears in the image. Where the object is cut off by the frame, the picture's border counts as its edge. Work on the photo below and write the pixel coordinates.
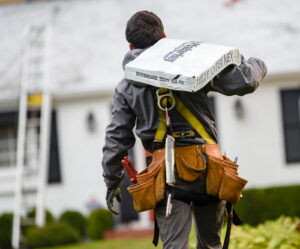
(159, 183)
(190, 162)
(230, 166)
(231, 187)
(215, 171)
(143, 195)
(150, 186)
(212, 150)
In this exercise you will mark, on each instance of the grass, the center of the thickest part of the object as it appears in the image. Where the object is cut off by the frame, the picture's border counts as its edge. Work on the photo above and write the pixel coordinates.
(142, 243)
(283, 233)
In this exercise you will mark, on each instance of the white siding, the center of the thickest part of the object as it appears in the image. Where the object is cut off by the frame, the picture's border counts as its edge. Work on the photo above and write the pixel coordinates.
(258, 139)
(80, 155)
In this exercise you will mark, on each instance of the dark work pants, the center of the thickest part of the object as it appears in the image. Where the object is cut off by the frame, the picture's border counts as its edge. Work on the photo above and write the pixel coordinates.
(175, 230)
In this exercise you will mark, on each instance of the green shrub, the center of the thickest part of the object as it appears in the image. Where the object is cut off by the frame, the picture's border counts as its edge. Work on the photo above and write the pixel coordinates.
(282, 233)
(49, 216)
(50, 235)
(99, 221)
(259, 205)
(6, 221)
(76, 220)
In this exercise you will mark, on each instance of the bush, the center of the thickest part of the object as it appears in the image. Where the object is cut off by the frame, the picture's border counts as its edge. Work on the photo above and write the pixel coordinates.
(76, 220)
(50, 235)
(259, 205)
(6, 221)
(99, 221)
(49, 216)
(282, 233)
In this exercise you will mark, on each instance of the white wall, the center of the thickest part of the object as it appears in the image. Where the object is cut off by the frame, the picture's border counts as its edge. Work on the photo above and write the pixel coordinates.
(80, 155)
(258, 139)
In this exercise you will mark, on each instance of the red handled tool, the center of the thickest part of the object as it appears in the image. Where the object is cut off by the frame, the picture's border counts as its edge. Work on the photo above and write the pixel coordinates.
(129, 169)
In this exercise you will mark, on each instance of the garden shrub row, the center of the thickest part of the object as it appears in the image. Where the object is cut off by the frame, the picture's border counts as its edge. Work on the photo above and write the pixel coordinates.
(259, 205)
(71, 227)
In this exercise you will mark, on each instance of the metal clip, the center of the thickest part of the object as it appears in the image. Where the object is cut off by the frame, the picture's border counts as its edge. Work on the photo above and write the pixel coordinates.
(169, 206)
(161, 96)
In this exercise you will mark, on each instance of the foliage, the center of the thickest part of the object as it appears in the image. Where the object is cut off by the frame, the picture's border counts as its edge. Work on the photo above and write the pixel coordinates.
(138, 243)
(99, 221)
(74, 219)
(283, 233)
(6, 221)
(50, 235)
(259, 205)
(49, 216)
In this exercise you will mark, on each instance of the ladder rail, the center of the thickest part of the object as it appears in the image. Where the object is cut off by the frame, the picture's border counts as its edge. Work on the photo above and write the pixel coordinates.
(44, 136)
(37, 43)
(20, 146)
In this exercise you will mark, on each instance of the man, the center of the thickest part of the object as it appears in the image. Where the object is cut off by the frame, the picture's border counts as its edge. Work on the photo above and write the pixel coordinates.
(136, 105)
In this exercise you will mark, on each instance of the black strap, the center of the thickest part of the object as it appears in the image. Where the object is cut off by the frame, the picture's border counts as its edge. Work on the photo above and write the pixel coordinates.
(228, 229)
(232, 218)
(156, 233)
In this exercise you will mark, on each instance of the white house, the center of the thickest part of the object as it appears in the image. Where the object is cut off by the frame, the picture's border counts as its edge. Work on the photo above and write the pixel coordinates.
(262, 129)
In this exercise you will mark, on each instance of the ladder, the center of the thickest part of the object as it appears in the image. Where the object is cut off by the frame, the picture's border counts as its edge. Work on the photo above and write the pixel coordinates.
(33, 146)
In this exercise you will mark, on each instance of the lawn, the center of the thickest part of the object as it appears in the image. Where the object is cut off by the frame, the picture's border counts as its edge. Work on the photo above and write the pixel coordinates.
(143, 243)
(283, 233)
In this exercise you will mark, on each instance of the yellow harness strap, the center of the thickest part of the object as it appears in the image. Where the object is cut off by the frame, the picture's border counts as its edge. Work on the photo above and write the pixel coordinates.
(185, 113)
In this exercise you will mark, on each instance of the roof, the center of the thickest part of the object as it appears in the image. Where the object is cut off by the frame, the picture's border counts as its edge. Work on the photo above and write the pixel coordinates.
(89, 41)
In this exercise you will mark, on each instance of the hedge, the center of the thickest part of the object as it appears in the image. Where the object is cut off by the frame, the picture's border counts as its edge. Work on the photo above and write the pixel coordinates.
(99, 221)
(49, 216)
(6, 221)
(50, 235)
(76, 220)
(259, 205)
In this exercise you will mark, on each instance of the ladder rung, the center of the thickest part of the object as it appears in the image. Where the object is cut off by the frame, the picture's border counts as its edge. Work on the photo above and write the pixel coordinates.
(30, 171)
(33, 122)
(37, 28)
(27, 221)
(36, 60)
(6, 192)
(10, 192)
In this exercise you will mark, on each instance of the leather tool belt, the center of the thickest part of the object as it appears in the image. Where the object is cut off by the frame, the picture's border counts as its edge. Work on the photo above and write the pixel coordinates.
(222, 178)
(150, 187)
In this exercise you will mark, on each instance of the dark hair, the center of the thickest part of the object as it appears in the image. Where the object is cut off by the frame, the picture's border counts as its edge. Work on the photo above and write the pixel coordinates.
(144, 29)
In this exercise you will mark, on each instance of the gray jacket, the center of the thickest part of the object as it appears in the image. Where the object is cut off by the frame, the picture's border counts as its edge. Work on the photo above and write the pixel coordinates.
(135, 105)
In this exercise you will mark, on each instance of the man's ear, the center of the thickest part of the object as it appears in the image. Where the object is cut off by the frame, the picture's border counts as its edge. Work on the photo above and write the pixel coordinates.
(165, 36)
(131, 47)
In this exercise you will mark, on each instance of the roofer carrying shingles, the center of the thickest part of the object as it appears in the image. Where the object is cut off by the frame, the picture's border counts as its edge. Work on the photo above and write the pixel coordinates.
(136, 104)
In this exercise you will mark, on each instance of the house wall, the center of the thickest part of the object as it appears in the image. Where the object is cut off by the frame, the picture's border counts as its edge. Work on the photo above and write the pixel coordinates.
(258, 138)
(80, 155)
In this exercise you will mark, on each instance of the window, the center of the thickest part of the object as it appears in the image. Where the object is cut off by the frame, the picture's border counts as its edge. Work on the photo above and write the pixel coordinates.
(8, 139)
(290, 100)
(8, 142)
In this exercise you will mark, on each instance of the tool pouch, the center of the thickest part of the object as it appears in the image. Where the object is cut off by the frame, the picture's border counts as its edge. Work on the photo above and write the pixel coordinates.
(150, 187)
(222, 179)
(190, 162)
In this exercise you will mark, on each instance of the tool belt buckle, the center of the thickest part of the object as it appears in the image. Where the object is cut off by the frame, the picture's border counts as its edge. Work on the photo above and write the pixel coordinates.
(161, 96)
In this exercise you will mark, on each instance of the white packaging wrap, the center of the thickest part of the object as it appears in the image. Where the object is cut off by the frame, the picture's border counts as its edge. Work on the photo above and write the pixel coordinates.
(181, 65)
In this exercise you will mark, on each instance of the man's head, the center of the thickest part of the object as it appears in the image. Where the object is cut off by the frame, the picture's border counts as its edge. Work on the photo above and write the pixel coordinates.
(144, 29)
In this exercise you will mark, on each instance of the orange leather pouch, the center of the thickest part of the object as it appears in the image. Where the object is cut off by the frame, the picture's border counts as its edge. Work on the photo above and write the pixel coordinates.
(231, 187)
(150, 187)
(190, 162)
(222, 179)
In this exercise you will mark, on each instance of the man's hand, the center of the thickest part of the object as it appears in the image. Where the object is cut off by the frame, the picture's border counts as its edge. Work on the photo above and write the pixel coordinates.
(110, 195)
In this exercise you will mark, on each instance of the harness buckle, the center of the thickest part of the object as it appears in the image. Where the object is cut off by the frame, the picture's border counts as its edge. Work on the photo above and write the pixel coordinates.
(161, 95)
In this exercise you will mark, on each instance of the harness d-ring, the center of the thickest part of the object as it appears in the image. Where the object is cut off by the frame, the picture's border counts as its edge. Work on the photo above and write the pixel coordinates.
(161, 95)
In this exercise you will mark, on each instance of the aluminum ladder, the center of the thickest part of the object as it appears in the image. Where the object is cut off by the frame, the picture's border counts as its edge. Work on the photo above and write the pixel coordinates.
(33, 146)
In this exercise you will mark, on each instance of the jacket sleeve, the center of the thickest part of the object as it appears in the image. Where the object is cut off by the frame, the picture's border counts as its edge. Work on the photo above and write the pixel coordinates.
(119, 139)
(239, 80)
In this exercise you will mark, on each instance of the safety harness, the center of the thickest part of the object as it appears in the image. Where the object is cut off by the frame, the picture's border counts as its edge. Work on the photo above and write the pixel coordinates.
(166, 101)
